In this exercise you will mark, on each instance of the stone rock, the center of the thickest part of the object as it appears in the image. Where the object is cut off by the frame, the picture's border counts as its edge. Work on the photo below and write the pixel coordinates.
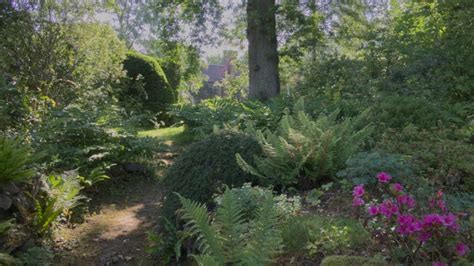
(135, 168)
(10, 188)
(5, 202)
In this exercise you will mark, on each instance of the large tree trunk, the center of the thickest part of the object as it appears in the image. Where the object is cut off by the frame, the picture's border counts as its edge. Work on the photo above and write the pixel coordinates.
(264, 81)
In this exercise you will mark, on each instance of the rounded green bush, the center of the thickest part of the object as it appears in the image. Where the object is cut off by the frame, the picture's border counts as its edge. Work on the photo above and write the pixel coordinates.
(158, 92)
(206, 166)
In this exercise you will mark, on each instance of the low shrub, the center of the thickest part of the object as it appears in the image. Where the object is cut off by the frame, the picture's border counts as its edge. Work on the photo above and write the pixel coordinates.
(362, 167)
(252, 197)
(341, 260)
(401, 111)
(304, 152)
(202, 118)
(317, 235)
(205, 166)
(412, 231)
(442, 155)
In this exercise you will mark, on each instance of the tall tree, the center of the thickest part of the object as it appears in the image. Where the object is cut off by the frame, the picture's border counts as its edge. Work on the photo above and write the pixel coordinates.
(264, 81)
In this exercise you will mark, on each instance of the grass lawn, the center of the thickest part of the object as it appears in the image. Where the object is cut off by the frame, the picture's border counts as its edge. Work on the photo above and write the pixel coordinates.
(177, 135)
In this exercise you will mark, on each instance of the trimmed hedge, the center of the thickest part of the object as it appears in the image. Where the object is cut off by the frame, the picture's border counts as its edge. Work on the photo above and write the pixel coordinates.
(206, 166)
(159, 94)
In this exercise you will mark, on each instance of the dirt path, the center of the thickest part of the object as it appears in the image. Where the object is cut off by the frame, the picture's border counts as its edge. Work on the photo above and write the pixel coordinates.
(122, 213)
(117, 233)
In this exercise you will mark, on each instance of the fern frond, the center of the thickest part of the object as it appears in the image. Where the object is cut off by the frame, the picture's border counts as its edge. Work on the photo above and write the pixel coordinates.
(206, 260)
(198, 224)
(230, 223)
(266, 241)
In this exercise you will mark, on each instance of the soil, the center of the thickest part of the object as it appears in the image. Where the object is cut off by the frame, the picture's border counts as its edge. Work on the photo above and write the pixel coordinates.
(117, 233)
(122, 212)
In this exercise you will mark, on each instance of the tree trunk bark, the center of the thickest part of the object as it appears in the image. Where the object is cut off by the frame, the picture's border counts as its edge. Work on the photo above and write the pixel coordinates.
(264, 81)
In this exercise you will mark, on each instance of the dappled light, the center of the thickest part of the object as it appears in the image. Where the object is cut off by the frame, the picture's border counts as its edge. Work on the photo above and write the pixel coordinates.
(220, 132)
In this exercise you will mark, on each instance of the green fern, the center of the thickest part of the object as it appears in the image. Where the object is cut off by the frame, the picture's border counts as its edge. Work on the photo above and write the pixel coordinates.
(14, 159)
(229, 238)
(302, 150)
(63, 194)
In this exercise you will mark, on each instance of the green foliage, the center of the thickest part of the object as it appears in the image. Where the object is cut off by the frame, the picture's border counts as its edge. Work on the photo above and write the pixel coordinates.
(352, 261)
(401, 111)
(252, 197)
(36, 256)
(81, 136)
(205, 166)
(157, 94)
(62, 195)
(230, 238)
(442, 155)
(15, 159)
(317, 235)
(6, 225)
(202, 118)
(7, 260)
(303, 151)
(13, 110)
(362, 168)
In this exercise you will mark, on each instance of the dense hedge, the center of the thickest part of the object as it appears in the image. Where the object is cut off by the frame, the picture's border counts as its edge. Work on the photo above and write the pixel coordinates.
(207, 165)
(159, 93)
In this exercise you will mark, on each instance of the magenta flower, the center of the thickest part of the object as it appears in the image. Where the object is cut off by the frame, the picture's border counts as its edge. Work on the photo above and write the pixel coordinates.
(424, 236)
(461, 249)
(432, 220)
(358, 191)
(397, 187)
(373, 210)
(407, 224)
(406, 200)
(388, 208)
(383, 177)
(357, 201)
(439, 263)
(449, 220)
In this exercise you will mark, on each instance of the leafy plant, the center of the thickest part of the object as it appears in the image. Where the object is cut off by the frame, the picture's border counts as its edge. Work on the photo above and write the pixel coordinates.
(36, 256)
(14, 160)
(62, 195)
(5, 226)
(362, 167)
(205, 166)
(229, 238)
(303, 151)
(251, 197)
(415, 232)
(442, 155)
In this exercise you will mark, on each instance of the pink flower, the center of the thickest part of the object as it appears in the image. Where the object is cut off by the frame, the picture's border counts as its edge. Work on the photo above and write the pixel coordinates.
(357, 201)
(373, 210)
(407, 224)
(406, 200)
(424, 236)
(461, 249)
(439, 263)
(397, 187)
(432, 220)
(388, 208)
(358, 191)
(449, 220)
(383, 177)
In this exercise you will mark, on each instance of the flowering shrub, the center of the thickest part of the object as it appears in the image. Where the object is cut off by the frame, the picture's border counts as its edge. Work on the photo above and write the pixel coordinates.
(427, 232)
